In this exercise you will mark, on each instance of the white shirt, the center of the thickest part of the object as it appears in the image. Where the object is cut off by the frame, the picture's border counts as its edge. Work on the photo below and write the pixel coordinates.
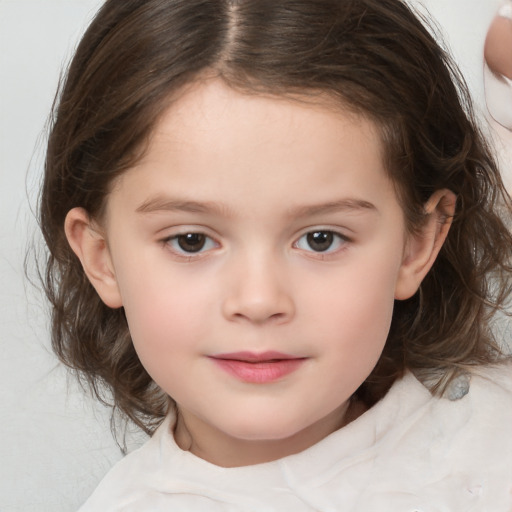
(409, 453)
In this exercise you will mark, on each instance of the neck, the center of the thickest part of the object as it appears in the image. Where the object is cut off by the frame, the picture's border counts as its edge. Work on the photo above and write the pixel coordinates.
(217, 447)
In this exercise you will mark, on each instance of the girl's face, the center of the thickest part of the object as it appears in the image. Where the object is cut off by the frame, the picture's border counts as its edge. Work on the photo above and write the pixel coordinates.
(257, 249)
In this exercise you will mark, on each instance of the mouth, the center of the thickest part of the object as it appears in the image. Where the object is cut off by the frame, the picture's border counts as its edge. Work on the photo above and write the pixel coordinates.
(258, 368)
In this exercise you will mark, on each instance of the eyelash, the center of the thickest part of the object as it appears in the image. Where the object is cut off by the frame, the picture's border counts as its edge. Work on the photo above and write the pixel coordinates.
(206, 243)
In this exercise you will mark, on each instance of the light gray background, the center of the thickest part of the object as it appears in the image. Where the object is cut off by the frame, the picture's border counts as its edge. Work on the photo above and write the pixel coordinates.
(55, 443)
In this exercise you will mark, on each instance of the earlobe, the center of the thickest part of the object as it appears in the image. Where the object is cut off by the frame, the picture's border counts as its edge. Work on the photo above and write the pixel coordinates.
(423, 246)
(90, 246)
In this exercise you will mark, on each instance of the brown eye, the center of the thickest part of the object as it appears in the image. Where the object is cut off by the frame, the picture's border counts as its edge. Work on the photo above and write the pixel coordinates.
(191, 242)
(320, 241)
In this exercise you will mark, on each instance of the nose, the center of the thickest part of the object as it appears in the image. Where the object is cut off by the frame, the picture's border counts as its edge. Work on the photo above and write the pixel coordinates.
(259, 292)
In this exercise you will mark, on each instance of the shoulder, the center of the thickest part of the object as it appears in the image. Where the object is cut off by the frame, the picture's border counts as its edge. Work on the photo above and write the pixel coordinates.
(487, 411)
(478, 426)
(131, 479)
(157, 476)
(482, 416)
(489, 407)
(494, 378)
(457, 452)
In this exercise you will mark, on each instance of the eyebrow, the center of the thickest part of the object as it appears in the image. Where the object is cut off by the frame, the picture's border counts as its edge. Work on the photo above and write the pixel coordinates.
(165, 204)
(349, 204)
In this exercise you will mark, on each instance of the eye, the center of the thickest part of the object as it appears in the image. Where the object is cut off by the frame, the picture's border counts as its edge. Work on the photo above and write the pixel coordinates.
(190, 243)
(321, 241)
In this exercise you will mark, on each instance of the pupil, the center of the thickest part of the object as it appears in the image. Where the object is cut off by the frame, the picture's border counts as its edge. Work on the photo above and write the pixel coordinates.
(320, 240)
(191, 242)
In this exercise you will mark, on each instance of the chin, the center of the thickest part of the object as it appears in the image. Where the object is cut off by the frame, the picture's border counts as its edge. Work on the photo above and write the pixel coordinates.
(269, 430)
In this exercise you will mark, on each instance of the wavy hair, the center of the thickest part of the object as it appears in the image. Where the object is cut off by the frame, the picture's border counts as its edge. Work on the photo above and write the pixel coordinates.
(374, 57)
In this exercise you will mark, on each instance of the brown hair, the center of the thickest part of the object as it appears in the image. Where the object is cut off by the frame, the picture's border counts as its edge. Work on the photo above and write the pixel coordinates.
(376, 58)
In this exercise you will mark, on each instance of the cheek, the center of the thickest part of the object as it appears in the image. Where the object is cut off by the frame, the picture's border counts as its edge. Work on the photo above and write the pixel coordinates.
(163, 322)
(353, 310)
(374, 302)
(355, 294)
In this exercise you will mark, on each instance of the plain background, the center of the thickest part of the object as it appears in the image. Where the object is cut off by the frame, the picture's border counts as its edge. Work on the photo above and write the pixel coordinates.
(55, 443)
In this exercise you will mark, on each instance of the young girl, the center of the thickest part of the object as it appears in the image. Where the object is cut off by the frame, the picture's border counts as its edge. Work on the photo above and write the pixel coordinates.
(266, 220)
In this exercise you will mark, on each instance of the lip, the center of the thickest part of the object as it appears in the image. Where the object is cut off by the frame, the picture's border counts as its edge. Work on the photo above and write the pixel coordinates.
(258, 368)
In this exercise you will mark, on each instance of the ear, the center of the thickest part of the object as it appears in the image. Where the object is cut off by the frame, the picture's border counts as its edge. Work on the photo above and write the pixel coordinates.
(90, 245)
(423, 246)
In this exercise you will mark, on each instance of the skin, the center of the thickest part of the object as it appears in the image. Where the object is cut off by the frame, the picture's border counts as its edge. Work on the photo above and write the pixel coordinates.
(498, 47)
(256, 174)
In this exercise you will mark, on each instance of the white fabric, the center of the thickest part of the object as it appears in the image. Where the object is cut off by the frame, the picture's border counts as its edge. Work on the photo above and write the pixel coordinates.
(409, 453)
(505, 11)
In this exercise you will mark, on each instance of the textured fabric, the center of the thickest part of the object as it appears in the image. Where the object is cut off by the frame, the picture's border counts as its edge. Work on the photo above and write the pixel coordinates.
(409, 453)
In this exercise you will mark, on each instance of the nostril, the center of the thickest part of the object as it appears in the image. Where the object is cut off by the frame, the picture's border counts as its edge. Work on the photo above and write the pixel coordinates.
(258, 309)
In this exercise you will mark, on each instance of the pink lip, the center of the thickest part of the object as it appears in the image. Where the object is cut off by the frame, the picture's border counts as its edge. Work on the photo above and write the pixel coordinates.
(258, 368)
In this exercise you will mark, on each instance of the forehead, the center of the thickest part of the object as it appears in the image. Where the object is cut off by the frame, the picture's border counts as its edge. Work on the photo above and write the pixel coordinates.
(213, 116)
(217, 141)
(212, 100)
